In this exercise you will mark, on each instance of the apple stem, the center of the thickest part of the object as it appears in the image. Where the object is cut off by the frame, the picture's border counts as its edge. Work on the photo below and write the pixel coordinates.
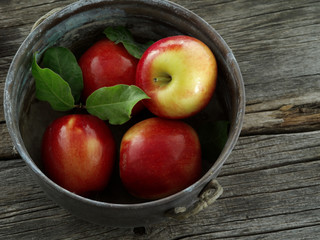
(80, 106)
(162, 79)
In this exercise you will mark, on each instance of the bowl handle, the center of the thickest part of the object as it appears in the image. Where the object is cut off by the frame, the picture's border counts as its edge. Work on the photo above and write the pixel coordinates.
(210, 193)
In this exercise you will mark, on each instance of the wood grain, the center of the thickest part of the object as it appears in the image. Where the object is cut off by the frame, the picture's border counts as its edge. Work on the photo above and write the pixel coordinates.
(273, 194)
(271, 180)
(7, 150)
(294, 114)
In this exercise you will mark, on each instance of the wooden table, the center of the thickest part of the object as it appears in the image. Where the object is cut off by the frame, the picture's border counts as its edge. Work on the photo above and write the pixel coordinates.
(271, 180)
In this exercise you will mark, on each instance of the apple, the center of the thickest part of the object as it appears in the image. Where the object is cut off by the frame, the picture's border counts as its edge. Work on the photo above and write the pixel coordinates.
(159, 157)
(106, 64)
(179, 74)
(78, 153)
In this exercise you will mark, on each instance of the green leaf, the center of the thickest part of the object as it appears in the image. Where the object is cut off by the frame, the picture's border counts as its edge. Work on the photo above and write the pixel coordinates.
(213, 137)
(52, 88)
(62, 61)
(114, 103)
(122, 35)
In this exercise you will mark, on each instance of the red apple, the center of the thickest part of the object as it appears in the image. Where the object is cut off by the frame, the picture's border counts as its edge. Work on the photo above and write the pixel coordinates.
(179, 74)
(106, 64)
(159, 157)
(78, 153)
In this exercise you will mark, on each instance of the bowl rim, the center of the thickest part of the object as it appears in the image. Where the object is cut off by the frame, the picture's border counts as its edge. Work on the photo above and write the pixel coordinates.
(79, 6)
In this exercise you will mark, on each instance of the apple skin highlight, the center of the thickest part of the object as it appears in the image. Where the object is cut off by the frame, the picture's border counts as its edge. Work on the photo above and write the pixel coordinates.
(179, 74)
(159, 157)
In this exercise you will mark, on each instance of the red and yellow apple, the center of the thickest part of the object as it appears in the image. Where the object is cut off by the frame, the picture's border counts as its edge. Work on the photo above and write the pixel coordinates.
(78, 153)
(179, 74)
(159, 157)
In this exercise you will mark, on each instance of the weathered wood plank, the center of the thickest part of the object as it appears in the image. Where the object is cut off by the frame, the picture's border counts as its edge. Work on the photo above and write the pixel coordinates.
(276, 200)
(7, 150)
(263, 152)
(295, 114)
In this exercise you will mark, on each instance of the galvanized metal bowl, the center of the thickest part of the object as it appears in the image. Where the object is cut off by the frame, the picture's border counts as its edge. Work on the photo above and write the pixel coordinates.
(77, 26)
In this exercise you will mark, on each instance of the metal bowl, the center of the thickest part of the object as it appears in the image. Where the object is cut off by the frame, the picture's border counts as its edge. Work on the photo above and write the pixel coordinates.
(77, 26)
